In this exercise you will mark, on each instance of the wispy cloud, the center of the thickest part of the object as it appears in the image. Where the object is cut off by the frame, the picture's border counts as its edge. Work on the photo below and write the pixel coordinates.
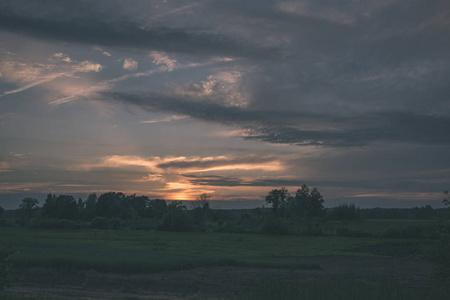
(29, 75)
(168, 119)
(187, 164)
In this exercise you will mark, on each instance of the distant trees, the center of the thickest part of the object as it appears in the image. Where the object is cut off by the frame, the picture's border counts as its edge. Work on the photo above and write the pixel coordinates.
(279, 200)
(60, 207)
(112, 210)
(344, 212)
(201, 210)
(1, 211)
(156, 208)
(89, 206)
(27, 209)
(175, 219)
(446, 200)
(306, 203)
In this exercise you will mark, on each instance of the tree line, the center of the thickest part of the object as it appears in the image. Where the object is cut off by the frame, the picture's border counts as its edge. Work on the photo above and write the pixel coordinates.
(284, 213)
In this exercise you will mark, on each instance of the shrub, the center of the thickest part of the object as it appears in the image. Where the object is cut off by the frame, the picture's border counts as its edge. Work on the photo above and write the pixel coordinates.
(312, 229)
(410, 232)
(55, 224)
(115, 223)
(346, 232)
(274, 226)
(176, 221)
(100, 223)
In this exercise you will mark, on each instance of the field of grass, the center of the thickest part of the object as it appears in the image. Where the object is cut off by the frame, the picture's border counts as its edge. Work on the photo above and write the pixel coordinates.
(377, 227)
(343, 288)
(149, 251)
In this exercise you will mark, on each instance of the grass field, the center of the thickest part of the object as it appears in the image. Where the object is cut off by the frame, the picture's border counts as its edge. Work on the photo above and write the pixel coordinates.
(132, 252)
(147, 251)
(378, 227)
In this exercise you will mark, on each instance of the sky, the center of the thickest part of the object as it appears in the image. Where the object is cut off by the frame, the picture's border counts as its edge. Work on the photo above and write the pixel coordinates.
(172, 99)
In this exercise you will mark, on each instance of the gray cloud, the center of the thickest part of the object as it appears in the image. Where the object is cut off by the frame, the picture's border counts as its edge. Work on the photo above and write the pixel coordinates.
(83, 24)
(362, 85)
(281, 128)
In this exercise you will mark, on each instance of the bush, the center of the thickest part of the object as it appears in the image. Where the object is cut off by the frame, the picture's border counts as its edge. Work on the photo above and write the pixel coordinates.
(145, 224)
(55, 224)
(346, 232)
(100, 223)
(345, 212)
(410, 232)
(274, 226)
(312, 229)
(176, 221)
(115, 223)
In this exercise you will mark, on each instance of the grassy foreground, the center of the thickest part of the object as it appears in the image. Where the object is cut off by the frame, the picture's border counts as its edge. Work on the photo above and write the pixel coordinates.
(343, 288)
(148, 251)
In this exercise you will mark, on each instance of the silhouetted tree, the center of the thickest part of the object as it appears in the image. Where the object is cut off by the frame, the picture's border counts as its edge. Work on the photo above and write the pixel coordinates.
(1, 211)
(279, 200)
(89, 211)
(27, 209)
(446, 200)
(50, 207)
(67, 207)
(156, 208)
(110, 205)
(424, 212)
(175, 219)
(201, 209)
(61, 207)
(345, 212)
(307, 203)
(81, 208)
(201, 202)
(139, 205)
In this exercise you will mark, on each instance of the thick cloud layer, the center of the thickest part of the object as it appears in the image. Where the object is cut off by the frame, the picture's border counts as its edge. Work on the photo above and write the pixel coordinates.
(351, 96)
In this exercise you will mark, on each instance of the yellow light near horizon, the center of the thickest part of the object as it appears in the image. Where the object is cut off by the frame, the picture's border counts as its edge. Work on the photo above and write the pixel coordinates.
(179, 196)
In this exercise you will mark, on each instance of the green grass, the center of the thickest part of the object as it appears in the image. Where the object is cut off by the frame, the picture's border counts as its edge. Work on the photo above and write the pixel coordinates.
(149, 251)
(342, 288)
(375, 226)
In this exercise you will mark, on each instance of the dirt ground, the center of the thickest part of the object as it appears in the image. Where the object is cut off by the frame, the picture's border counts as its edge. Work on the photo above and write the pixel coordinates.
(208, 283)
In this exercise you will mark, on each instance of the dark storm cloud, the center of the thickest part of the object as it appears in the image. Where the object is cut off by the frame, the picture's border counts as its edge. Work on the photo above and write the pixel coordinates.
(82, 24)
(277, 127)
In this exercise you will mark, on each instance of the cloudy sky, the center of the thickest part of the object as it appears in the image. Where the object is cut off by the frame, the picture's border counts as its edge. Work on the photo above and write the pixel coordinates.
(172, 99)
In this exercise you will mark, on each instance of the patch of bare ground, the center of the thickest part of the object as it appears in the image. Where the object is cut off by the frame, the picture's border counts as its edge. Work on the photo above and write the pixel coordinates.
(209, 283)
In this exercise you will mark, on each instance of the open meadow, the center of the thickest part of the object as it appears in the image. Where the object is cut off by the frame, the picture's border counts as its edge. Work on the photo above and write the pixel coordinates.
(137, 264)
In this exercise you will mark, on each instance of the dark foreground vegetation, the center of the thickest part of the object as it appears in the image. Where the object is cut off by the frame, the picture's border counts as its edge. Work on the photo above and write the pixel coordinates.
(65, 240)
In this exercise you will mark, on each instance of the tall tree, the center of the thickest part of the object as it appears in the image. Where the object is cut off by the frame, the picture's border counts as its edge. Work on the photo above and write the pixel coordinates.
(91, 201)
(156, 208)
(279, 200)
(307, 203)
(27, 209)
(60, 207)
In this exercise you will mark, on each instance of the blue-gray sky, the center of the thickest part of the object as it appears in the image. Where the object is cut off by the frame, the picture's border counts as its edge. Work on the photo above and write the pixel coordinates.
(173, 99)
